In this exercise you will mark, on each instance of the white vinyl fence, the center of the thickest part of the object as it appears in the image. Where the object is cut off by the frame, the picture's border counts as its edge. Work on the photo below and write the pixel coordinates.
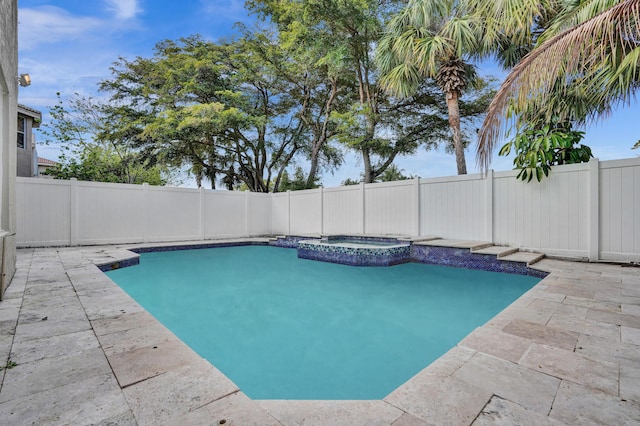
(56, 212)
(589, 210)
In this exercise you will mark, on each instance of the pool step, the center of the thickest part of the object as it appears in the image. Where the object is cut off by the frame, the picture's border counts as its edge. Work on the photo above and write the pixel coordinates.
(472, 245)
(510, 254)
(498, 251)
(524, 256)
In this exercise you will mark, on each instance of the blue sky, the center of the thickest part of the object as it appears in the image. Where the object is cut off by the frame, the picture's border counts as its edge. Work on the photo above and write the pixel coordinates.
(68, 46)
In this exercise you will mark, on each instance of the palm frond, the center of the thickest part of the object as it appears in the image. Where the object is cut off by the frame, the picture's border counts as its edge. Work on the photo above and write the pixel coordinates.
(599, 45)
(575, 13)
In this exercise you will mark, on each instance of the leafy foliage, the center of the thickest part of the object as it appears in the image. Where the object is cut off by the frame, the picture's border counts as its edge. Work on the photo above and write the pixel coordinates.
(434, 39)
(539, 148)
(90, 151)
(296, 182)
(589, 52)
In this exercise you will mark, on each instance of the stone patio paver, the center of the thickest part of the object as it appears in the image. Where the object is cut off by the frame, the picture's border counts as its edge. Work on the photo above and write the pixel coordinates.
(236, 410)
(492, 341)
(439, 401)
(598, 348)
(542, 334)
(500, 412)
(88, 400)
(48, 373)
(601, 375)
(531, 389)
(144, 363)
(519, 368)
(579, 405)
(54, 346)
(178, 392)
(374, 413)
(630, 335)
(585, 326)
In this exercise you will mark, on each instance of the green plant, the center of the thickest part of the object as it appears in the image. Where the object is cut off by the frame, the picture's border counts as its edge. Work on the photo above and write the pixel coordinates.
(539, 148)
(10, 364)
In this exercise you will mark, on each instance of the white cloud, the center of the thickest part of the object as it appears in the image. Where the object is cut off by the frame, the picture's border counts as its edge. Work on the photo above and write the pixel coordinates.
(229, 9)
(124, 9)
(50, 24)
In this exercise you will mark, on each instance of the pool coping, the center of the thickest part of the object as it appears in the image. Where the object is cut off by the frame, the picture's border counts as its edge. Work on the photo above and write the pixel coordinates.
(566, 351)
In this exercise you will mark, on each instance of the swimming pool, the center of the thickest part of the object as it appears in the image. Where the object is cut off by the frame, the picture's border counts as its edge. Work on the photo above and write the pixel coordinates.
(287, 328)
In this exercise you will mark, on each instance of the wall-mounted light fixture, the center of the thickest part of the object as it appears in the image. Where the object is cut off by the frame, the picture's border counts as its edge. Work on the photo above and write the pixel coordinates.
(24, 80)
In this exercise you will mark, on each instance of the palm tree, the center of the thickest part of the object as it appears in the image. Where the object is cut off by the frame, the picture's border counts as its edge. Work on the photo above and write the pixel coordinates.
(592, 49)
(432, 39)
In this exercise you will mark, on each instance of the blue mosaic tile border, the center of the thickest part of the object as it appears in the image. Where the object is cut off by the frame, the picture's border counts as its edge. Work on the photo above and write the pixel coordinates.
(463, 258)
(196, 246)
(136, 260)
(290, 241)
(363, 239)
(355, 256)
(120, 264)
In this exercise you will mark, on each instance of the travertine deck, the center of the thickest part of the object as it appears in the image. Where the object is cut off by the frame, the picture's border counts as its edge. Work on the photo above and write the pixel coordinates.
(566, 352)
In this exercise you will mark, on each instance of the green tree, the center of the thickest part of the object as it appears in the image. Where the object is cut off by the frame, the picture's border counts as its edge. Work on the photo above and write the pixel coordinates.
(102, 164)
(341, 35)
(435, 39)
(297, 182)
(216, 108)
(589, 52)
(541, 146)
(90, 151)
(392, 174)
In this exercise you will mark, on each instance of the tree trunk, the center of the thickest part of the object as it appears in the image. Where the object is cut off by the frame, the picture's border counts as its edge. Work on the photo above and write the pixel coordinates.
(368, 178)
(454, 122)
(314, 169)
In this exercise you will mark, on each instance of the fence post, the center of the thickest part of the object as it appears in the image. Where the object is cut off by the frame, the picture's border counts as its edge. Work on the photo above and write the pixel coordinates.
(489, 206)
(246, 214)
(202, 214)
(73, 212)
(145, 212)
(594, 210)
(321, 210)
(416, 210)
(288, 212)
(364, 209)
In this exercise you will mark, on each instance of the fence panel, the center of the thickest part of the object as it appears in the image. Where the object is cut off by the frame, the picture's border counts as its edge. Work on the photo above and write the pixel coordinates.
(259, 211)
(172, 214)
(390, 208)
(306, 212)
(225, 214)
(454, 207)
(620, 210)
(43, 212)
(109, 213)
(552, 215)
(343, 210)
(280, 213)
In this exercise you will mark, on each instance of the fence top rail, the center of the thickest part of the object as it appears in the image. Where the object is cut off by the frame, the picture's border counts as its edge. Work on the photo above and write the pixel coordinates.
(306, 192)
(223, 193)
(41, 181)
(345, 188)
(379, 185)
(626, 162)
(565, 168)
(445, 179)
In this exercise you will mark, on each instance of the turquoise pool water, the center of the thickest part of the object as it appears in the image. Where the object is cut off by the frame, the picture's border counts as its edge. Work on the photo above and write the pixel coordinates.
(287, 328)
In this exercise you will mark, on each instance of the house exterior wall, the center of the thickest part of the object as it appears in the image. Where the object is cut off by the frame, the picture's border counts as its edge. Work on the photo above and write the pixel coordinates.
(25, 158)
(8, 129)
